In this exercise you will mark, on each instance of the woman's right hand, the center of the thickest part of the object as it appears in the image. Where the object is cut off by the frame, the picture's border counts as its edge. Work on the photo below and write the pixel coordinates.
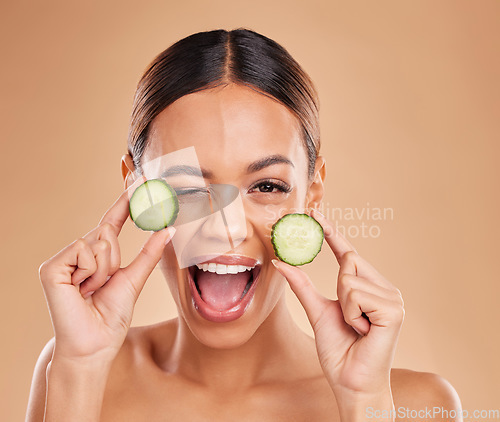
(90, 298)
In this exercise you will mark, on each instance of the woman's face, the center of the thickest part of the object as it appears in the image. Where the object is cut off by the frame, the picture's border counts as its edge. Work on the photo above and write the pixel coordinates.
(232, 127)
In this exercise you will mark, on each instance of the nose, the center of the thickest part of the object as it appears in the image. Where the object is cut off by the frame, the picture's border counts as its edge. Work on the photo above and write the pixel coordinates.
(227, 221)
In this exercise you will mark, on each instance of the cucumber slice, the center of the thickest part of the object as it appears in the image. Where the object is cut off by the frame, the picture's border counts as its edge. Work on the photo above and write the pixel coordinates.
(154, 205)
(297, 238)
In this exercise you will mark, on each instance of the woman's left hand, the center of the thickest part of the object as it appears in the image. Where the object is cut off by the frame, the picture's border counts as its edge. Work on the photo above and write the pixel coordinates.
(356, 365)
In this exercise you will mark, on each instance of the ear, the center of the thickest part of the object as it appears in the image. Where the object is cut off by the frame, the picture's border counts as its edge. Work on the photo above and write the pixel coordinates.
(128, 169)
(316, 188)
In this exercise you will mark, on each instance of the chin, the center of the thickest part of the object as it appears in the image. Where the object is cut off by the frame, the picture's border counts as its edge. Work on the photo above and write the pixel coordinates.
(223, 338)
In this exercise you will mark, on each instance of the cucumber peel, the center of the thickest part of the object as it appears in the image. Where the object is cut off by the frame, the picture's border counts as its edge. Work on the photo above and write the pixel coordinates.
(297, 238)
(154, 205)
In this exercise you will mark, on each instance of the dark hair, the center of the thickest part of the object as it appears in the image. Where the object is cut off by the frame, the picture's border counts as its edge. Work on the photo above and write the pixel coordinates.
(208, 59)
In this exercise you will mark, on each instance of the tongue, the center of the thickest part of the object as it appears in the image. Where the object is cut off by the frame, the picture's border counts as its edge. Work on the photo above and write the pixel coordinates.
(222, 291)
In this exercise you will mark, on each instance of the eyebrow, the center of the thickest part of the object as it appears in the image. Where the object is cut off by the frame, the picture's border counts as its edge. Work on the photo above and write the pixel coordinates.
(187, 170)
(252, 168)
(268, 161)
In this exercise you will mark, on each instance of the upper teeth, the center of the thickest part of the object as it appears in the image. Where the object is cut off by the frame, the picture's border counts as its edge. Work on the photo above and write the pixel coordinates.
(223, 269)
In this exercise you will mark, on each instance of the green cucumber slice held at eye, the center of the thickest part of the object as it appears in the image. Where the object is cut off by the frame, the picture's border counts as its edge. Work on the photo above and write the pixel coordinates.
(297, 238)
(154, 205)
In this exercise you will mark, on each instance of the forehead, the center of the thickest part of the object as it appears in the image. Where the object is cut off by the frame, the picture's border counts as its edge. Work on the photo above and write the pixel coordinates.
(230, 124)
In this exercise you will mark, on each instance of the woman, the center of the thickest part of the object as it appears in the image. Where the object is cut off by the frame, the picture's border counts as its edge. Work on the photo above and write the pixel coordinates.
(251, 114)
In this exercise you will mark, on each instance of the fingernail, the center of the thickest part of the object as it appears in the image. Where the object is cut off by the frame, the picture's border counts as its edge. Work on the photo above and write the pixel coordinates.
(88, 294)
(275, 263)
(315, 211)
(359, 332)
(171, 231)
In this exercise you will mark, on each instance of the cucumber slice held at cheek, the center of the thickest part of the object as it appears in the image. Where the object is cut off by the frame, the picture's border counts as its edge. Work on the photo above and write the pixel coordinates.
(297, 238)
(154, 205)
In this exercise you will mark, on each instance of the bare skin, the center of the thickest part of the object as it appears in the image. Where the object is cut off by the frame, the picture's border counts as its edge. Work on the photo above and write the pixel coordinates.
(259, 367)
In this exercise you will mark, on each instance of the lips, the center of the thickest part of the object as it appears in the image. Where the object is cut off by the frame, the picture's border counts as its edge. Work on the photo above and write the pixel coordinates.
(224, 297)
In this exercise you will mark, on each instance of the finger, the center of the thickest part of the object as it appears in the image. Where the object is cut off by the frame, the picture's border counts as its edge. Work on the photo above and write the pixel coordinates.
(347, 256)
(310, 298)
(106, 231)
(80, 261)
(349, 259)
(118, 213)
(352, 263)
(337, 242)
(144, 263)
(102, 251)
(71, 265)
(381, 312)
(348, 282)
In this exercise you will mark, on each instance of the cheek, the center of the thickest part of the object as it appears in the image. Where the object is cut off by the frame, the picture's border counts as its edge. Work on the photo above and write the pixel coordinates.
(275, 288)
(268, 295)
(264, 215)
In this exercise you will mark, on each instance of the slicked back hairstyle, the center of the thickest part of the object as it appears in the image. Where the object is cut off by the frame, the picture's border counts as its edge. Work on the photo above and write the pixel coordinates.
(209, 59)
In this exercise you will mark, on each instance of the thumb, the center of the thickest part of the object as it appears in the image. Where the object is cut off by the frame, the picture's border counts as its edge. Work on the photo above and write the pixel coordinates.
(310, 298)
(138, 271)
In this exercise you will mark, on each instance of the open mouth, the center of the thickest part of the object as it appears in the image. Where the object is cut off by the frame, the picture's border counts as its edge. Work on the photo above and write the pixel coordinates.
(222, 293)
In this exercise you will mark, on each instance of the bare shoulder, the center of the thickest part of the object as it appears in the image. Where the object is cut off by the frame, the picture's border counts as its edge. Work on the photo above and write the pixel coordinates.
(141, 347)
(36, 402)
(150, 338)
(416, 393)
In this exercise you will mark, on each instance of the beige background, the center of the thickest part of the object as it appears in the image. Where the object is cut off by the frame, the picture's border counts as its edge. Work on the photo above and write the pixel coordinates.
(409, 111)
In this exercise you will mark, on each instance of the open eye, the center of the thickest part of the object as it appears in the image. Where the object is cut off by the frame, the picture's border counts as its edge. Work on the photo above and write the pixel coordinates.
(269, 186)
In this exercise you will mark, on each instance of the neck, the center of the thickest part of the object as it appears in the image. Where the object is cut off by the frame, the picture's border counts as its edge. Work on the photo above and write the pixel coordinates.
(277, 345)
